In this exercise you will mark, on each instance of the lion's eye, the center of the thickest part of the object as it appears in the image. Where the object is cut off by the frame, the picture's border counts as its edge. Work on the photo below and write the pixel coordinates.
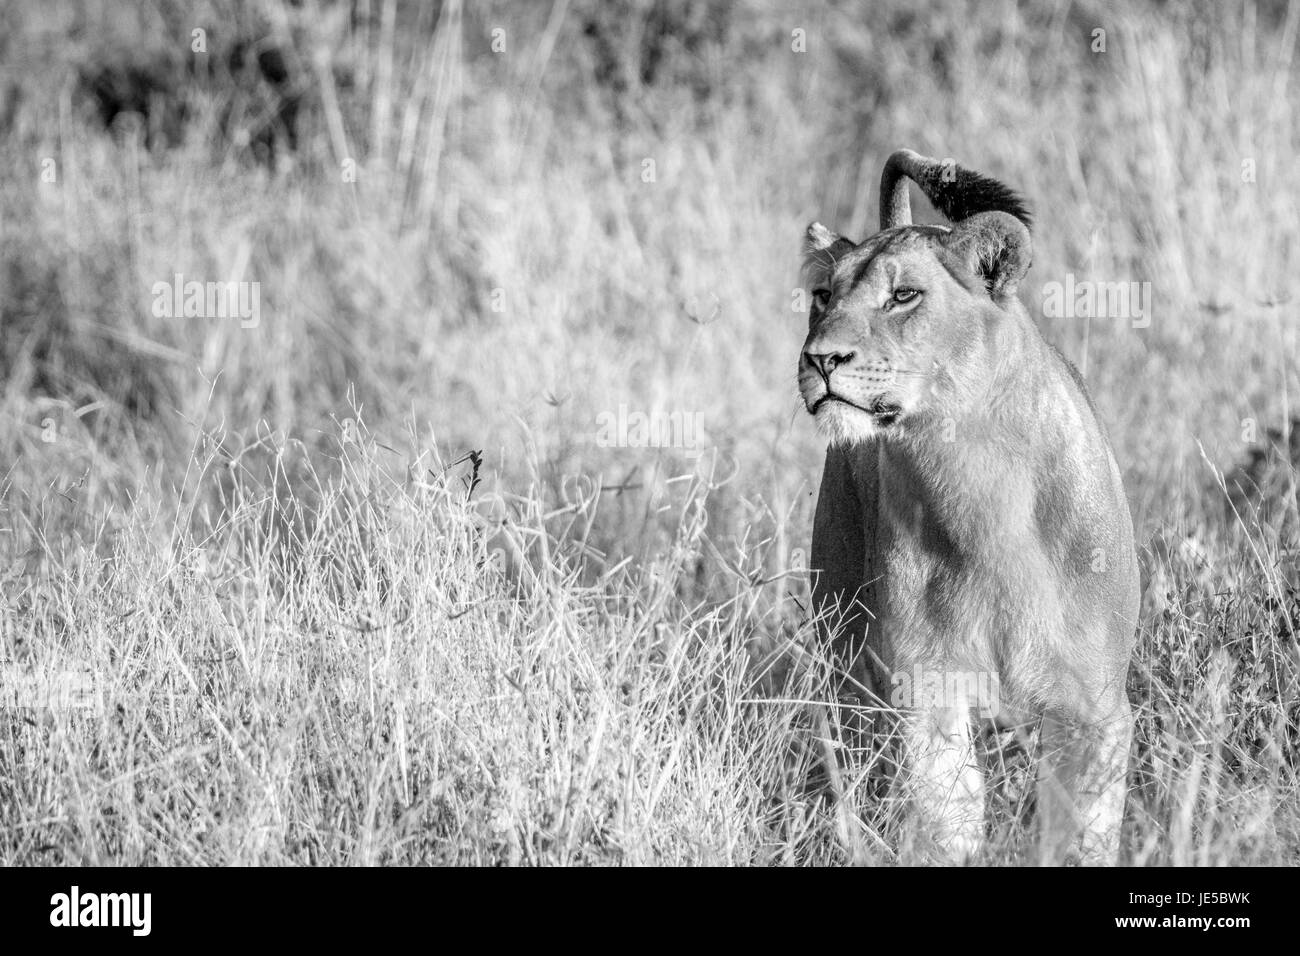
(901, 296)
(821, 298)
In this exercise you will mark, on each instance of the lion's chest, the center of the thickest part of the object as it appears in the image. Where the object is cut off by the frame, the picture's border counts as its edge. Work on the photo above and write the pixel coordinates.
(965, 581)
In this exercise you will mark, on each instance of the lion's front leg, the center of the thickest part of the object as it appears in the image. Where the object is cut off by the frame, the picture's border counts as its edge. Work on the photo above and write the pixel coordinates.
(1082, 785)
(944, 781)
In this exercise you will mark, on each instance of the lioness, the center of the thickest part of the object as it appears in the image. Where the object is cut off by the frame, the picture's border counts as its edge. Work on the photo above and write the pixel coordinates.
(971, 525)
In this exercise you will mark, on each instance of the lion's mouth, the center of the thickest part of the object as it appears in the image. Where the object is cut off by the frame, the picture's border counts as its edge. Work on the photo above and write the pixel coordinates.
(881, 409)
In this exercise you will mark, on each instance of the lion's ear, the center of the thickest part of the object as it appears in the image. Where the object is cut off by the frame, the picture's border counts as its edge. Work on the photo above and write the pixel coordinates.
(821, 249)
(996, 247)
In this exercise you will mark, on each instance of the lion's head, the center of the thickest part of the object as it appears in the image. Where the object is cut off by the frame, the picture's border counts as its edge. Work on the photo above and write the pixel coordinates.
(902, 326)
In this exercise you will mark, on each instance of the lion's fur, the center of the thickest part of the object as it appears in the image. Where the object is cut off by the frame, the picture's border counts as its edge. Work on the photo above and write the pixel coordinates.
(971, 516)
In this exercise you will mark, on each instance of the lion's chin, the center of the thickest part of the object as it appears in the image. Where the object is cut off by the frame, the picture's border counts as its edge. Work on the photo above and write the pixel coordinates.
(845, 425)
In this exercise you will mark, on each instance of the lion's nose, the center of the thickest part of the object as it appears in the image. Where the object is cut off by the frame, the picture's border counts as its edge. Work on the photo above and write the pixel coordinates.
(827, 362)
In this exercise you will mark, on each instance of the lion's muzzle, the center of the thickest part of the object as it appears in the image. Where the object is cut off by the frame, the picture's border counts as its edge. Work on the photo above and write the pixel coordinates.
(843, 376)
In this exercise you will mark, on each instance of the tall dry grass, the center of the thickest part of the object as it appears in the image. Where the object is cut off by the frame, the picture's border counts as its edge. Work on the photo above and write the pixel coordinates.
(317, 639)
